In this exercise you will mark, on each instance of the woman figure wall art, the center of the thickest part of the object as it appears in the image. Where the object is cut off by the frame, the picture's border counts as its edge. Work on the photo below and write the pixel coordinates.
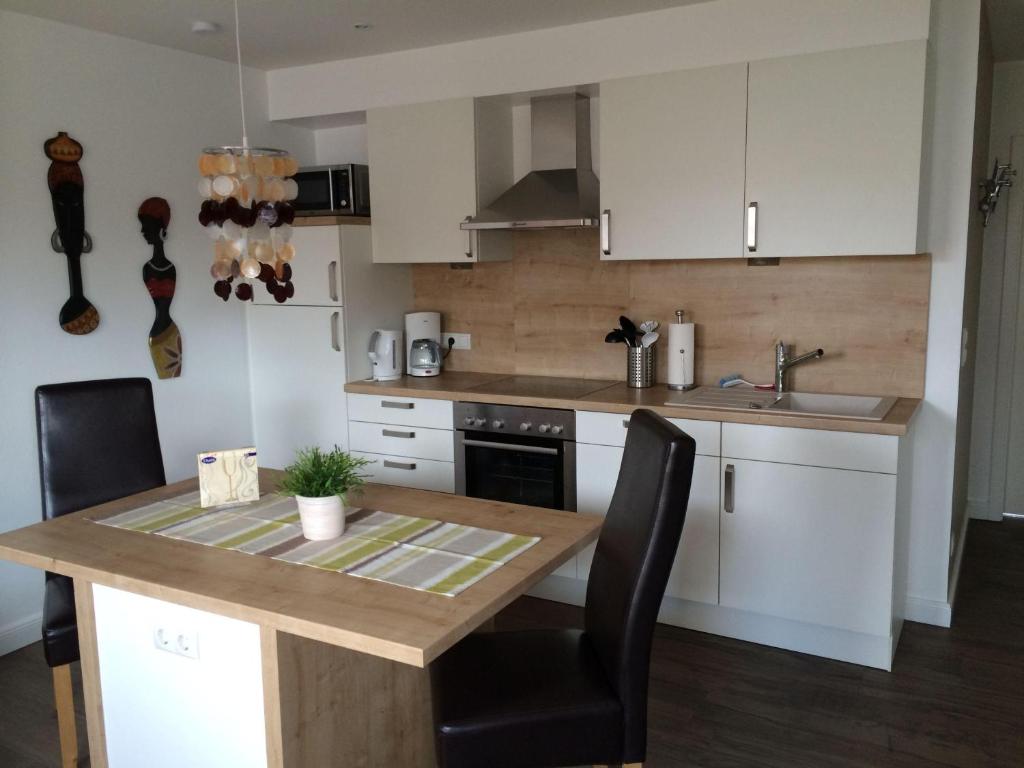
(160, 276)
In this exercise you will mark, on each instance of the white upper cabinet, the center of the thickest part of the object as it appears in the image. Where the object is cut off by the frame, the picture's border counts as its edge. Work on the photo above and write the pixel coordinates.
(834, 152)
(672, 164)
(424, 181)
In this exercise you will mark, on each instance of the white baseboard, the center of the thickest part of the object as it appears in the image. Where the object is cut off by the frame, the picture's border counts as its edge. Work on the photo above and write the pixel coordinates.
(830, 642)
(936, 612)
(20, 633)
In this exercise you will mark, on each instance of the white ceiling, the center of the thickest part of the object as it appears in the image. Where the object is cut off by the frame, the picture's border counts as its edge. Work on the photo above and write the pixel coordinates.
(1006, 22)
(292, 32)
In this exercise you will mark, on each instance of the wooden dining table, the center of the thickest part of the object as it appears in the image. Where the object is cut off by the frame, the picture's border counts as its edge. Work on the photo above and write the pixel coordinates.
(328, 642)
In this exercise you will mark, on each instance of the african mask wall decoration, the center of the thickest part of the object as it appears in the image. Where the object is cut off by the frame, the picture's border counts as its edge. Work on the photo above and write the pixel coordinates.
(160, 278)
(78, 316)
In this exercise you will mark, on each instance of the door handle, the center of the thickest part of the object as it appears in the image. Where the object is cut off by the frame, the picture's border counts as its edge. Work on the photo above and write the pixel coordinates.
(752, 227)
(332, 280)
(396, 433)
(334, 332)
(469, 240)
(730, 488)
(396, 404)
(399, 464)
(606, 232)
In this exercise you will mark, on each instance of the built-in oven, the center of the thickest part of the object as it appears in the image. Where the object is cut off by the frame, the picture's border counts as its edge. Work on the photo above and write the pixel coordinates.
(516, 454)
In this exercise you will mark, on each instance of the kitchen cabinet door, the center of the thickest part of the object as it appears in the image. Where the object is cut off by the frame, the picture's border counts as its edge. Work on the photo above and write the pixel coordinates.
(297, 370)
(695, 572)
(672, 163)
(422, 180)
(834, 152)
(316, 269)
(809, 544)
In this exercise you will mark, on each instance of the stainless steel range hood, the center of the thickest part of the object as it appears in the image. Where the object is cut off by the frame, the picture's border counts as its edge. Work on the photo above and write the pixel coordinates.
(561, 190)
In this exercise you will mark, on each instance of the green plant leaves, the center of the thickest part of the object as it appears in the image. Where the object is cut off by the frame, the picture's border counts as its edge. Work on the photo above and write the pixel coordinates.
(316, 473)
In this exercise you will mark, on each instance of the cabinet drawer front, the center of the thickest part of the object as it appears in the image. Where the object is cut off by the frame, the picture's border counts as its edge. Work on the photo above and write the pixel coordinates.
(424, 474)
(610, 429)
(811, 447)
(406, 411)
(417, 442)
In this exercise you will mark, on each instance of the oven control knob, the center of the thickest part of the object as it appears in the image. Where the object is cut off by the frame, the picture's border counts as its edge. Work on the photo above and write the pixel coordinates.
(468, 421)
(498, 424)
(479, 422)
(543, 428)
(525, 426)
(556, 430)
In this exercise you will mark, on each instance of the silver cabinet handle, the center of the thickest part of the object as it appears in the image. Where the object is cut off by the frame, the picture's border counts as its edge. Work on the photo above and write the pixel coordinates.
(396, 433)
(332, 280)
(606, 232)
(469, 240)
(335, 345)
(399, 464)
(752, 227)
(730, 483)
(396, 404)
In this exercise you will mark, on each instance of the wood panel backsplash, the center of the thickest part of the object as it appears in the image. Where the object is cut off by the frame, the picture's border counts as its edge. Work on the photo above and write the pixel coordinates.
(546, 312)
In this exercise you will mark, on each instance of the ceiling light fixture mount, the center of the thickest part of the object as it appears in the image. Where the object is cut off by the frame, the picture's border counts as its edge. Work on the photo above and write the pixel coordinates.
(202, 27)
(363, 26)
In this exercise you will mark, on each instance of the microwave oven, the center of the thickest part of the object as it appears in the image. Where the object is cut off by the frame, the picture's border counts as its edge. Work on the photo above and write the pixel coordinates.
(333, 190)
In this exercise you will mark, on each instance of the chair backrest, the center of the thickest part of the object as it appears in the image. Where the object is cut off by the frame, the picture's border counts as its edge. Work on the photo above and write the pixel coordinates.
(634, 556)
(97, 441)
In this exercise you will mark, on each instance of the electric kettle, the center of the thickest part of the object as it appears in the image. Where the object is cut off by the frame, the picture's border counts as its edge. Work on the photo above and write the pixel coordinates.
(386, 354)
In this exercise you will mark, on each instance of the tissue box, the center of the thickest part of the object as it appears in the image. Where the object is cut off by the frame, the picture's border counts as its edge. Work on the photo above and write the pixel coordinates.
(228, 477)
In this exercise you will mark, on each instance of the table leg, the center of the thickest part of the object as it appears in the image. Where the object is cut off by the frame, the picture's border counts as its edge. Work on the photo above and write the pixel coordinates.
(86, 620)
(331, 706)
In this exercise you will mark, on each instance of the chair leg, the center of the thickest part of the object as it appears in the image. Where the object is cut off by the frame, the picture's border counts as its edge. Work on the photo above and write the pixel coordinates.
(65, 701)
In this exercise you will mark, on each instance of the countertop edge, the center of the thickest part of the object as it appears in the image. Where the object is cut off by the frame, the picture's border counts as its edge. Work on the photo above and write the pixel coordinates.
(896, 423)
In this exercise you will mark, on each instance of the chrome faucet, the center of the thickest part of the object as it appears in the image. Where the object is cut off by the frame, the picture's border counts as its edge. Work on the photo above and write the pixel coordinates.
(783, 362)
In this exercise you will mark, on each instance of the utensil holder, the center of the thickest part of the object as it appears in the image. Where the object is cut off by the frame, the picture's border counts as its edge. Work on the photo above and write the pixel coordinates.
(640, 367)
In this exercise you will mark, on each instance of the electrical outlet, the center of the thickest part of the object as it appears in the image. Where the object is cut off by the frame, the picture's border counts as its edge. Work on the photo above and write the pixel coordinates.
(179, 641)
(462, 340)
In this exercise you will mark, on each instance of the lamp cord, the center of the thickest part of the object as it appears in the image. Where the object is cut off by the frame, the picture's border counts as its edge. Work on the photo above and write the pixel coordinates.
(241, 91)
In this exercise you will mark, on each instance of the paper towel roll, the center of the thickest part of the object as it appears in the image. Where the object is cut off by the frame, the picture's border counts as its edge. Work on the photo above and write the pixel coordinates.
(680, 355)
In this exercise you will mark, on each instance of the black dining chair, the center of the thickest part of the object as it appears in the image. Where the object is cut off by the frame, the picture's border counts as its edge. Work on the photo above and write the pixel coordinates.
(97, 442)
(540, 698)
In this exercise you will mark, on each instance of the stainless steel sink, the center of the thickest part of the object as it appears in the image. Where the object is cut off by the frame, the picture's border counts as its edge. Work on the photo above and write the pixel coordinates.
(793, 403)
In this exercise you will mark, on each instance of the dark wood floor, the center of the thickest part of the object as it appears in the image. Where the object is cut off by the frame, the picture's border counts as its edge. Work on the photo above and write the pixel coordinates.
(955, 697)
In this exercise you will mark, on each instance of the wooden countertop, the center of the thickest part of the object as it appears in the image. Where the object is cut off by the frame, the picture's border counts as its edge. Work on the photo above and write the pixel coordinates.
(384, 620)
(612, 397)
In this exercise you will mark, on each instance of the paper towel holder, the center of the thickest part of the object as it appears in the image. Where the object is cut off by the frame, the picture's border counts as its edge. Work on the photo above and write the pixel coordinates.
(692, 384)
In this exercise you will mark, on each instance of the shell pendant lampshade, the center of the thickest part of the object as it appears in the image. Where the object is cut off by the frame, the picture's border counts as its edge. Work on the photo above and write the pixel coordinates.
(247, 211)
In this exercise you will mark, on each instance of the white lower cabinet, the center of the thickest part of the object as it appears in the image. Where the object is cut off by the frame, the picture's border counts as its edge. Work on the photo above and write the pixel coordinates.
(794, 538)
(409, 441)
(695, 572)
(809, 544)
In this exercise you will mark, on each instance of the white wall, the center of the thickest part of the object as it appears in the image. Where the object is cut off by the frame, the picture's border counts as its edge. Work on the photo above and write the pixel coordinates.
(697, 35)
(346, 144)
(946, 204)
(143, 113)
(988, 472)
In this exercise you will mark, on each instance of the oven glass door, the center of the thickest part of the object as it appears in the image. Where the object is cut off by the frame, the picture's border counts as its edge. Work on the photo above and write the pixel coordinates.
(520, 470)
(342, 190)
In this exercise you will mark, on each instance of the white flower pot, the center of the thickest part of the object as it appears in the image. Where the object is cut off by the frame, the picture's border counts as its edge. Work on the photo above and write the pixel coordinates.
(322, 517)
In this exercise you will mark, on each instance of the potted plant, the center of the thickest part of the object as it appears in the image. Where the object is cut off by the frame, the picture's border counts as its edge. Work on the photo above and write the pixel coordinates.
(319, 481)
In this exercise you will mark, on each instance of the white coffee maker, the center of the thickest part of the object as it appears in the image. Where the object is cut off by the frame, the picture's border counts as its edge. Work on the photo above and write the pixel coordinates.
(386, 351)
(423, 343)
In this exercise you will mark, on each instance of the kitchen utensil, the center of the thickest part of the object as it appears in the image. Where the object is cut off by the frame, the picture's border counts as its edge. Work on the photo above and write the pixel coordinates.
(385, 353)
(639, 367)
(647, 326)
(615, 337)
(629, 330)
(649, 338)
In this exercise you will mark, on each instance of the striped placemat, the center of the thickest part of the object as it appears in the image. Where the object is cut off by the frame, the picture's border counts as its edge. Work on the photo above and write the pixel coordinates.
(417, 552)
